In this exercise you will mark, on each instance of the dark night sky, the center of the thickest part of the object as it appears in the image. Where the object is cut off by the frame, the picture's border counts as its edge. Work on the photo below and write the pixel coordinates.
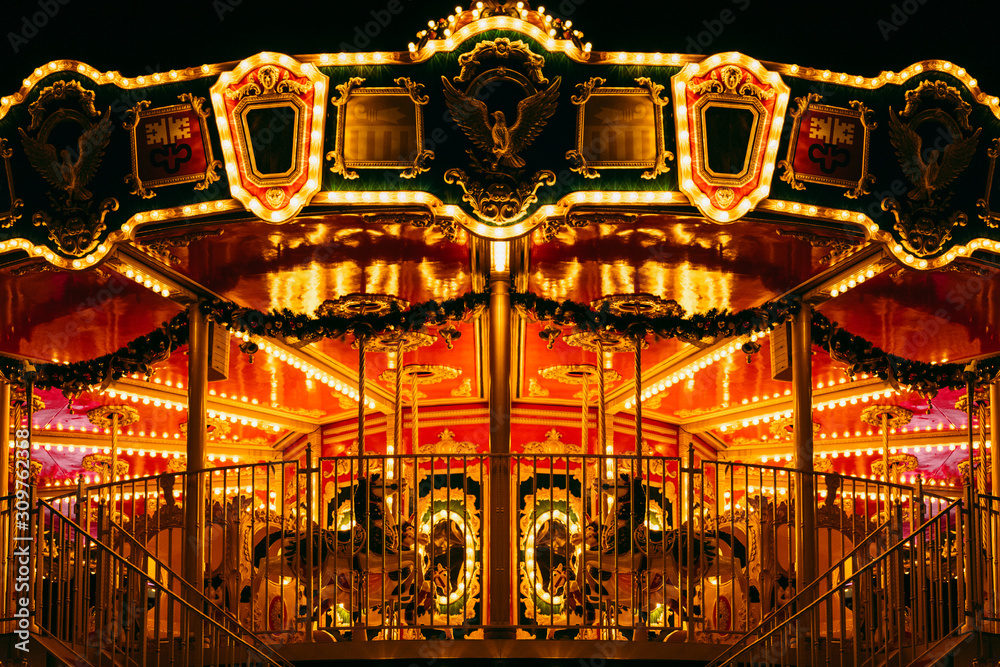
(859, 38)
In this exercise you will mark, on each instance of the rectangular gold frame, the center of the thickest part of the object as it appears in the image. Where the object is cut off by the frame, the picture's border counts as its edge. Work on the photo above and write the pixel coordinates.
(204, 179)
(798, 181)
(352, 89)
(274, 101)
(986, 214)
(757, 138)
(9, 217)
(647, 89)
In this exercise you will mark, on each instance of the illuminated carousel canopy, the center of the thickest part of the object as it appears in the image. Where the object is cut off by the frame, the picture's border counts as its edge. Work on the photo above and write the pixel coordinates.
(348, 222)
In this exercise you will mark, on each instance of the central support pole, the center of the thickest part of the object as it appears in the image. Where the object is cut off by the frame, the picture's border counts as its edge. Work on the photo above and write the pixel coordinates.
(501, 590)
(197, 434)
(805, 514)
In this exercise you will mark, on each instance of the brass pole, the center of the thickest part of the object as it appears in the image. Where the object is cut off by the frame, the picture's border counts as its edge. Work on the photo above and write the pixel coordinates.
(584, 439)
(501, 591)
(602, 427)
(310, 562)
(414, 433)
(975, 591)
(397, 424)
(197, 434)
(995, 491)
(362, 341)
(805, 566)
(114, 448)
(994, 427)
(5, 443)
(638, 396)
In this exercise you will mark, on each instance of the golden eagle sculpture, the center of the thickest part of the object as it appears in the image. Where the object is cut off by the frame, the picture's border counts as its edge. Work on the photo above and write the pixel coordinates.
(500, 140)
(63, 171)
(941, 168)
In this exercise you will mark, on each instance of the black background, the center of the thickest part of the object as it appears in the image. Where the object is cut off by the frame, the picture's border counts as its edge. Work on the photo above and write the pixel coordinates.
(857, 38)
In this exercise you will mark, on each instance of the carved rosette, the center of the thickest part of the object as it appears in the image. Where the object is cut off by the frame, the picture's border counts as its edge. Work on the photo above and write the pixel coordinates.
(895, 416)
(898, 464)
(104, 416)
(360, 304)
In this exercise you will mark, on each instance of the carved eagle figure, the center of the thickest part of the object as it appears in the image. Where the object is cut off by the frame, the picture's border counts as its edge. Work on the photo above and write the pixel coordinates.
(63, 171)
(499, 139)
(941, 168)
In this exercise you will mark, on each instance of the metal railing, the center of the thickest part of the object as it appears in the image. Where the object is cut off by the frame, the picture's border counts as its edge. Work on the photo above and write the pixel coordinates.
(887, 609)
(394, 547)
(128, 609)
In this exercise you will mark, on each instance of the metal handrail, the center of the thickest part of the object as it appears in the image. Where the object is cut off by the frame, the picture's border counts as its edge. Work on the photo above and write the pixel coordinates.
(160, 564)
(723, 659)
(276, 661)
(807, 591)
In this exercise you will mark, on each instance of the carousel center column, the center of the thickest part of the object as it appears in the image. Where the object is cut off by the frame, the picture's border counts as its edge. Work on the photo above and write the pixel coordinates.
(500, 516)
(197, 433)
(805, 501)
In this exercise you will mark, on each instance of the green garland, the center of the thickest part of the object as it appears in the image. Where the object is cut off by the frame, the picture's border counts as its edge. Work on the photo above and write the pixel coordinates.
(861, 356)
(140, 355)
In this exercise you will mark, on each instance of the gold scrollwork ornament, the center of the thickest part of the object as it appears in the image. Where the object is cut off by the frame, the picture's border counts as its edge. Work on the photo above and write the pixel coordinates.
(71, 222)
(499, 203)
(926, 219)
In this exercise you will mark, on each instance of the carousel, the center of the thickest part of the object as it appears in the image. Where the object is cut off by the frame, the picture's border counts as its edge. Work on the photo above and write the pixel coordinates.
(499, 344)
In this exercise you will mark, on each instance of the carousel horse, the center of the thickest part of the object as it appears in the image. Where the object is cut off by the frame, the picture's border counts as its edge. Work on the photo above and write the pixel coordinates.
(387, 555)
(332, 557)
(667, 567)
(611, 564)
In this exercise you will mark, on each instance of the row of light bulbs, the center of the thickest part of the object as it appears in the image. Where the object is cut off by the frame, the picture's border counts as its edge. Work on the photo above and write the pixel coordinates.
(155, 402)
(786, 414)
(688, 371)
(311, 371)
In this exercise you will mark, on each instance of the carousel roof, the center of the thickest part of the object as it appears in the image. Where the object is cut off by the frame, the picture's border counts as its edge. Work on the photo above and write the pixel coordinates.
(343, 227)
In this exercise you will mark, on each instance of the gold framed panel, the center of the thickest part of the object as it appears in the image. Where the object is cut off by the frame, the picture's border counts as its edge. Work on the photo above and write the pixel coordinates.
(367, 103)
(190, 106)
(728, 80)
(245, 146)
(858, 111)
(754, 144)
(12, 214)
(633, 103)
(269, 81)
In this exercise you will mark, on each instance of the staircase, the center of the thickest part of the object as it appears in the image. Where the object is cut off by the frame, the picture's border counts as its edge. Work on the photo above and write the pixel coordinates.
(135, 610)
(911, 604)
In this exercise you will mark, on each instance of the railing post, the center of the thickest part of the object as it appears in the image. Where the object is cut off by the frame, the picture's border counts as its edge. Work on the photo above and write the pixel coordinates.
(500, 516)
